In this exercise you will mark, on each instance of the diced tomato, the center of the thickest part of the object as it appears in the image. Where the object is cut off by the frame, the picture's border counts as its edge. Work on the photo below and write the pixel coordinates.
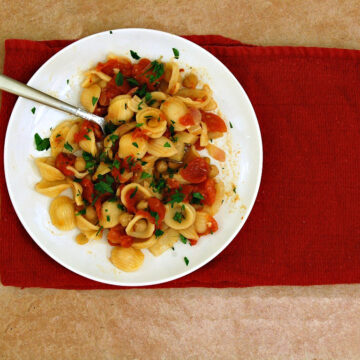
(157, 206)
(172, 183)
(98, 208)
(130, 164)
(213, 122)
(132, 197)
(207, 189)
(197, 145)
(62, 161)
(117, 236)
(88, 190)
(123, 65)
(187, 120)
(193, 242)
(212, 228)
(111, 90)
(142, 72)
(85, 128)
(187, 190)
(139, 133)
(197, 171)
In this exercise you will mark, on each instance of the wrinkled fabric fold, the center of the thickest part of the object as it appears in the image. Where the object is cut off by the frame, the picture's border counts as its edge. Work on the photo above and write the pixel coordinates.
(304, 228)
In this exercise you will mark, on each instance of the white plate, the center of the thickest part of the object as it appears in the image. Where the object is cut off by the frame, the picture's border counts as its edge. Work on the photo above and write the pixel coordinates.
(243, 169)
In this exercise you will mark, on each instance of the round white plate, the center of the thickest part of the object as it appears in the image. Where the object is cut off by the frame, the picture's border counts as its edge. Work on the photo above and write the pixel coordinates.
(242, 170)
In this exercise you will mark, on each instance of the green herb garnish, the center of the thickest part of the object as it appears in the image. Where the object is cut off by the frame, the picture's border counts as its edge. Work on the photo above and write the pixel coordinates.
(186, 261)
(119, 79)
(135, 144)
(133, 82)
(103, 187)
(167, 145)
(114, 138)
(87, 137)
(68, 147)
(231, 125)
(98, 232)
(183, 239)
(81, 212)
(107, 218)
(177, 197)
(33, 110)
(121, 207)
(67, 81)
(134, 193)
(158, 233)
(41, 144)
(145, 175)
(234, 189)
(176, 53)
(139, 125)
(134, 55)
(109, 128)
(155, 215)
(178, 217)
(94, 100)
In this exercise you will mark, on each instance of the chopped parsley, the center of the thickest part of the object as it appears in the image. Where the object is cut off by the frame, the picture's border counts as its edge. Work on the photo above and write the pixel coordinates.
(98, 232)
(167, 145)
(135, 144)
(41, 144)
(231, 125)
(94, 100)
(186, 261)
(119, 79)
(114, 138)
(196, 198)
(145, 175)
(177, 197)
(125, 106)
(116, 164)
(151, 102)
(81, 212)
(108, 218)
(183, 239)
(158, 233)
(103, 187)
(133, 82)
(139, 106)
(134, 193)
(134, 55)
(176, 53)
(113, 199)
(155, 215)
(58, 135)
(109, 128)
(33, 110)
(178, 217)
(158, 69)
(142, 91)
(139, 125)
(158, 186)
(121, 207)
(110, 31)
(90, 162)
(147, 97)
(68, 147)
(87, 137)
(234, 189)
(67, 81)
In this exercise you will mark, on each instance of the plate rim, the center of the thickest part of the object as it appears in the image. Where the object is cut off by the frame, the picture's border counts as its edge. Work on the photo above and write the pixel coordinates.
(186, 272)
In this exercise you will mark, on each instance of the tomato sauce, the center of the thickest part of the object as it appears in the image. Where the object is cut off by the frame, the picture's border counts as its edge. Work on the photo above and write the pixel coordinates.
(117, 237)
(213, 122)
(62, 161)
(197, 171)
(187, 120)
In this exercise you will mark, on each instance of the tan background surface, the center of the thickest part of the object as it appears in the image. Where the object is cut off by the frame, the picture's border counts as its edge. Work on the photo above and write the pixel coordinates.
(320, 322)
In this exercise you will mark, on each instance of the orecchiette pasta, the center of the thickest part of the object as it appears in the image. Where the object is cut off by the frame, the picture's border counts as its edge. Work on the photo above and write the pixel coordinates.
(141, 179)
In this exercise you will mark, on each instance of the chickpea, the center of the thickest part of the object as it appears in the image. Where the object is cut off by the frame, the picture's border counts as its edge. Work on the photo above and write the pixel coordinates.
(142, 205)
(161, 166)
(90, 214)
(80, 164)
(125, 218)
(213, 171)
(190, 81)
(140, 226)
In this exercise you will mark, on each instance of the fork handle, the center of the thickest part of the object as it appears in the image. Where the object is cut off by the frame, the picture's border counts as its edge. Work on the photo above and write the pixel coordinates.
(16, 87)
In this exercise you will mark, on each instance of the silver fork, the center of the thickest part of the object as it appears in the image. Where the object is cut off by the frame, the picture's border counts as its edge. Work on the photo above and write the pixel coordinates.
(16, 87)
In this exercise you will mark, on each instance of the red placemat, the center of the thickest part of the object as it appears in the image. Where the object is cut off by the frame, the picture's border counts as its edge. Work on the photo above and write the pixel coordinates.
(304, 228)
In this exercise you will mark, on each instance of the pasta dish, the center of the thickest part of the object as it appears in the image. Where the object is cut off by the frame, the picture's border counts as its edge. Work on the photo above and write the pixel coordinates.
(143, 180)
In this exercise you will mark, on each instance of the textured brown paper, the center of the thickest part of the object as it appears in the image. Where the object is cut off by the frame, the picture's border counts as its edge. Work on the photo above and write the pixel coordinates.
(320, 322)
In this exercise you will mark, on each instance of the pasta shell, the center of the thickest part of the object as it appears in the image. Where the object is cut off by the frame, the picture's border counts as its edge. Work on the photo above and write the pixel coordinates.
(204, 139)
(136, 104)
(198, 98)
(125, 128)
(102, 169)
(126, 259)
(100, 75)
(90, 96)
(94, 235)
(174, 109)
(90, 80)
(132, 147)
(152, 121)
(161, 147)
(48, 171)
(159, 97)
(145, 233)
(144, 244)
(70, 138)
(179, 216)
(164, 242)
(173, 69)
(141, 193)
(84, 224)
(62, 213)
(51, 188)
(201, 222)
(109, 214)
(190, 233)
(89, 145)
(77, 192)
(119, 110)
(58, 136)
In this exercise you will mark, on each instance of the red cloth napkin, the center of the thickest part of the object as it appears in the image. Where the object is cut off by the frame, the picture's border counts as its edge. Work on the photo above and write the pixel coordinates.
(304, 228)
